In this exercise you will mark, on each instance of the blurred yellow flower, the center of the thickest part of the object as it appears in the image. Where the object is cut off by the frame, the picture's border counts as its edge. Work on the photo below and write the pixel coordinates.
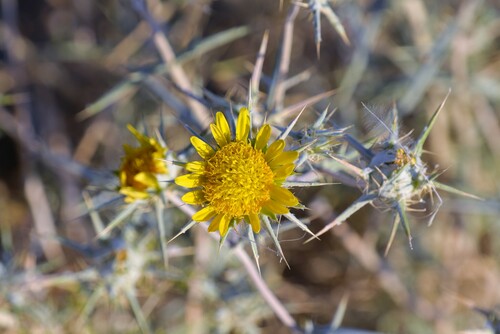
(140, 166)
(241, 178)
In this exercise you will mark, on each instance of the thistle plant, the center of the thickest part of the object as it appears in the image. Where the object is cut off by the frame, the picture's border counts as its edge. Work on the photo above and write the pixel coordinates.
(257, 133)
(393, 175)
(240, 178)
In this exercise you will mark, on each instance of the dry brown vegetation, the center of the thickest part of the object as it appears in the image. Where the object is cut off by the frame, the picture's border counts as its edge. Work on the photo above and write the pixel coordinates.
(74, 73)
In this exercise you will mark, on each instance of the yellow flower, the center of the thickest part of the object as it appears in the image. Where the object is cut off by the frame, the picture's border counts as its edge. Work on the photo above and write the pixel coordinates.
(140, 166)
(241, 178)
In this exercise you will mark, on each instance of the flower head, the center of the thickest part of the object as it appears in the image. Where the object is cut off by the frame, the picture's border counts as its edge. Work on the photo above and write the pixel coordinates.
(239, 179)
(140, 166)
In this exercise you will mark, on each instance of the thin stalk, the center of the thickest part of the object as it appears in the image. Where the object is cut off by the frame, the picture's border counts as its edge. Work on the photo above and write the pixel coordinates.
(277, 90)
(274, 303)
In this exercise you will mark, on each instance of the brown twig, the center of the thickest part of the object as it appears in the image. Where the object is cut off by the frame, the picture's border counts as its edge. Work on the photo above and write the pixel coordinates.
(277, 90)
(201, 114)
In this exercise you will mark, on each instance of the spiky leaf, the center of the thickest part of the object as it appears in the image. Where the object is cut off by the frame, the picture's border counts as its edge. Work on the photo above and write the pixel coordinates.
(353, 208)
(419, 145)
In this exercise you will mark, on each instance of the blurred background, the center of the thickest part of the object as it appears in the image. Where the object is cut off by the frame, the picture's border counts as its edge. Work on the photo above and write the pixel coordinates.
(74, 73)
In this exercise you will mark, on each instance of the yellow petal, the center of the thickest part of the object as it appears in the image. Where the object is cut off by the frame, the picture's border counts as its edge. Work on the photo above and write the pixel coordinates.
(159, 167)
(148, 179)
(221, 122)
(214, 225)
(243, 125)
(283, 196)
(129, 150)
(274, 150)
(275, 207)
(123, 176)
(224, 225)
(218, 135)
(204, 150)
(133, 194)
(204, 214)
(254, 222)
(139, 136)
(284, 158)
(194, 197)
(283, 172)
(188, 180)
(262, 137)
(195, 166)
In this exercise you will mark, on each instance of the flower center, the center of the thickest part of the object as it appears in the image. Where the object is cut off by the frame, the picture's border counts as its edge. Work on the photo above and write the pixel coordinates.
(403, 158)
(237, 180)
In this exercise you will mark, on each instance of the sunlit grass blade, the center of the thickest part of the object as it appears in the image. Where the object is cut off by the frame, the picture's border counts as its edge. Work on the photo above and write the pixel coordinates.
(157, 87)
(340, 312)
(92, 207)
(129, 210)
(89, 307)
(94, 215)
(213, 42)
(128, 85)
(161, 228)
(136, 309)
(359, 60)
(117, 93)
(301, 77)
(427, 72)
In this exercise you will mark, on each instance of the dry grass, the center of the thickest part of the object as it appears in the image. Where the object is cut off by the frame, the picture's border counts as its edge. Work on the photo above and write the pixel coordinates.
(74, 73)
